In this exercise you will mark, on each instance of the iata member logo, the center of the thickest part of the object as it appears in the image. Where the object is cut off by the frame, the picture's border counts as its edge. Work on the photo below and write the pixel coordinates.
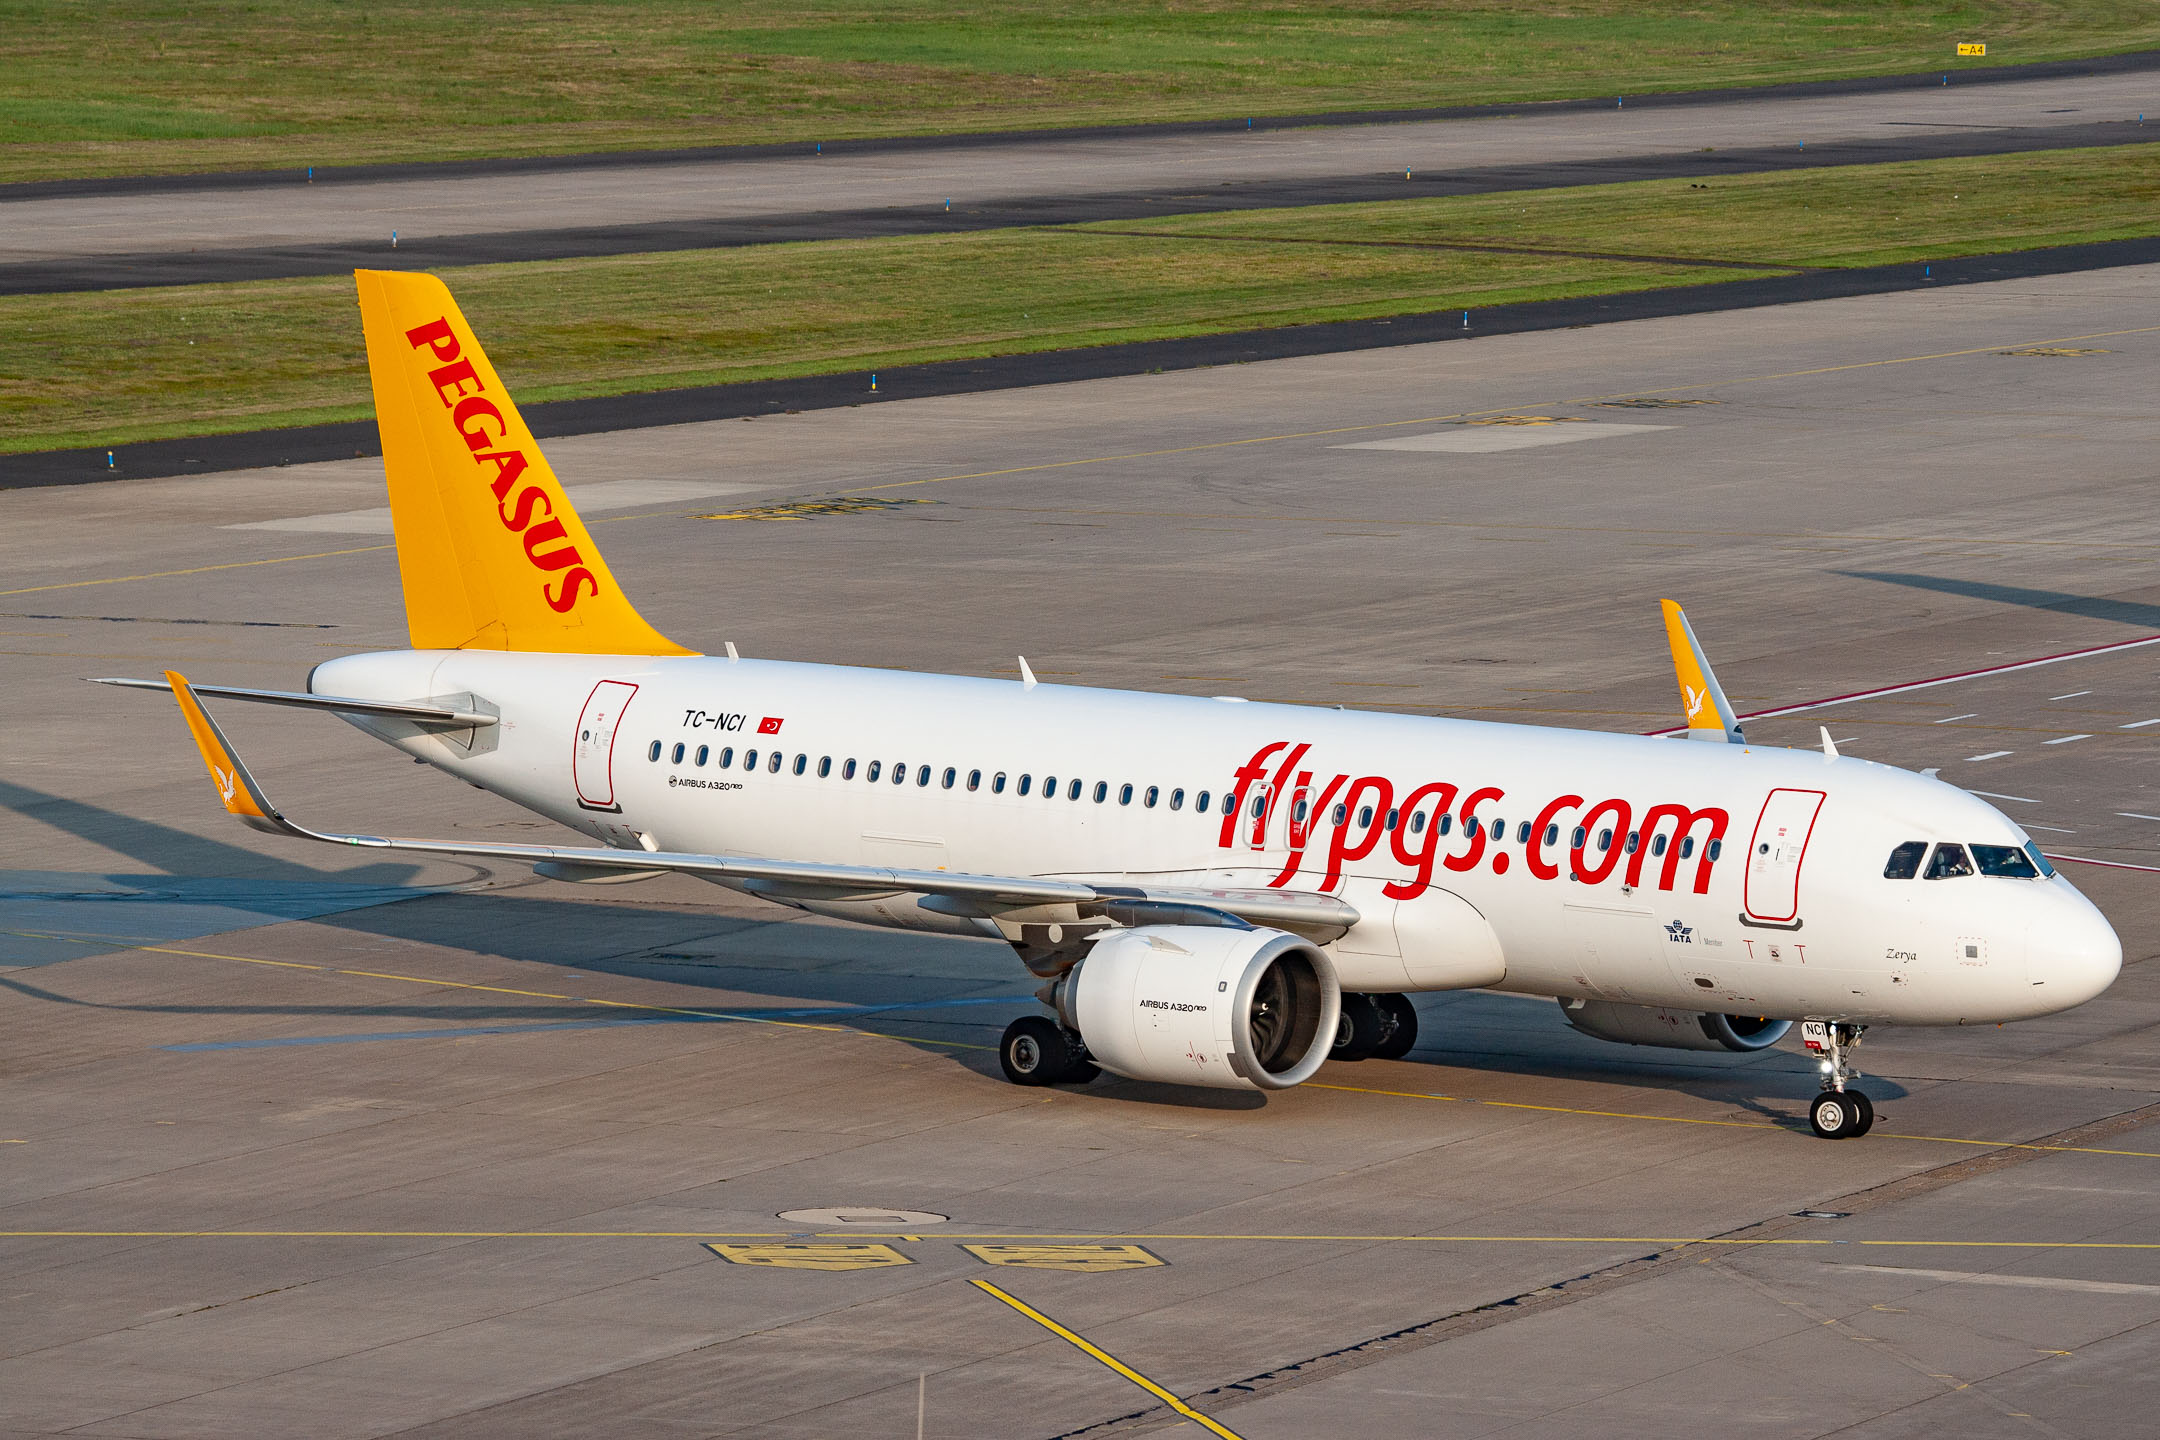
(1680, 934)
(770, 725)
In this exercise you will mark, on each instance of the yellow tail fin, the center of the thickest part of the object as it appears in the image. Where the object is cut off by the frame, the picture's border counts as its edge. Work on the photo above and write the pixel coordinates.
(492, 554)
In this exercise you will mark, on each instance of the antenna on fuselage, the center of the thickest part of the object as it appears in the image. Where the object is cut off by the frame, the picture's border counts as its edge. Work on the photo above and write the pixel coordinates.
(1027, 676)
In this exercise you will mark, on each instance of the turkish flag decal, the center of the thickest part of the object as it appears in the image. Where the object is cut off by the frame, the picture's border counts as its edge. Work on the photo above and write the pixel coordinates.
(770, 725)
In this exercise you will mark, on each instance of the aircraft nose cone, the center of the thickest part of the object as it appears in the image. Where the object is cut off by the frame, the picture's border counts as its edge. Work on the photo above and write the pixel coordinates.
(2074, 953)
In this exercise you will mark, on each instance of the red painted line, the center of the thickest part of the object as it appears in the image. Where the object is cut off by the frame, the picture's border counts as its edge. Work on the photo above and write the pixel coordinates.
(1938, 680)
(2106, 864)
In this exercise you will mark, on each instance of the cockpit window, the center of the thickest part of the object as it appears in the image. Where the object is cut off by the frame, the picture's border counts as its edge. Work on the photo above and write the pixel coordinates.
(2032, 849)
(2005, 860)
(1949, 861)
(1905, 860)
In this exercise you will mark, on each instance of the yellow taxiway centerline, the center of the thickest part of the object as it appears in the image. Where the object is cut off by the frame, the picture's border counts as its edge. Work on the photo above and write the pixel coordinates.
(1131, 1236)
(1724, 1124)
(1095, 1352)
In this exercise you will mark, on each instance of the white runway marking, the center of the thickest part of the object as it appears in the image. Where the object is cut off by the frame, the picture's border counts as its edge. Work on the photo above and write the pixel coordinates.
(2021, 799)
(1491, 439)
(2066, 739)
(1991, 755)
(1948, 718)
(2036, 1282)
(589, 499)
(2138, 724)
(2071, 696)
(2133, 815)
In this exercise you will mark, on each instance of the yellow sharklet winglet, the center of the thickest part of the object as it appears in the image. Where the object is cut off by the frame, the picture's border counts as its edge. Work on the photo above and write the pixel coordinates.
(1709, 714)
(242, 796)
(492, 554)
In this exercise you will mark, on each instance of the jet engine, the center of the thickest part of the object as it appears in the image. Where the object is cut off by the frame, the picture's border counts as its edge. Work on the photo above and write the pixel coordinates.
(1673, 1029)
(1227, 1008)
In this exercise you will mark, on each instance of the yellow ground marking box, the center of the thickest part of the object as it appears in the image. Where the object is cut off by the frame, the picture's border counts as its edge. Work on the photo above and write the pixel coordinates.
(1966, 47)
(1088, 1259)
(811, 1257)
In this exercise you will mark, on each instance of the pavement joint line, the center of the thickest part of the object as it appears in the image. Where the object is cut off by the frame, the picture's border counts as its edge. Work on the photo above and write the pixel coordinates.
(1250, 440)
(1414, 523)
(1727, 1124)
(1507, 410)
(197, 570)
(1474, 247)
(1862, 365)
(1080, 1235)
(1095, 1352)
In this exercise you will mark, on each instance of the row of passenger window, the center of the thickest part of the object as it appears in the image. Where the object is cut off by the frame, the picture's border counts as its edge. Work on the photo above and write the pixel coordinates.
(1951, 861)
(949, 778)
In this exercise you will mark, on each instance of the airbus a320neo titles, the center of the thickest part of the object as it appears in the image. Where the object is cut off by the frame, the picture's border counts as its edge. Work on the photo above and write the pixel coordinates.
(1211, 892)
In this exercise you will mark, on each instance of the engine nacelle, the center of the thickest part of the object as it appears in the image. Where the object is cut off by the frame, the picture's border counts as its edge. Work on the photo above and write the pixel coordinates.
(1672, 1029)
(1231, 1009)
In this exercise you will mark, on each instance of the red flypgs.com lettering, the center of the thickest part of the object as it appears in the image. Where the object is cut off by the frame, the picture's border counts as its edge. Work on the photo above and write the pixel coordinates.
(482, 427)
(1271, 778)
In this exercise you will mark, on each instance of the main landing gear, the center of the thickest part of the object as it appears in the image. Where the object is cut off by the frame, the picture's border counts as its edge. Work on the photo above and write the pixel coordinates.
(1840, 1112)
(1037, 1050)
(1374, 1027)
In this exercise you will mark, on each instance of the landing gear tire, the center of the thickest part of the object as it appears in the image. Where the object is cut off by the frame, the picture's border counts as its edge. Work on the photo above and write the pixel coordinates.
(1362, 1028)
(1038, 1051)
(1399, 1022)
(1866, 1113)
(1841, 1114)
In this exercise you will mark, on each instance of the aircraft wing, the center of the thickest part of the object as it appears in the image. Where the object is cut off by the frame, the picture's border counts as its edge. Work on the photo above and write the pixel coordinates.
(1315, 916)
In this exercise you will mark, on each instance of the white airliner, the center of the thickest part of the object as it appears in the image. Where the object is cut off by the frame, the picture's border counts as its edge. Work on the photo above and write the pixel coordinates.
(1211, 892)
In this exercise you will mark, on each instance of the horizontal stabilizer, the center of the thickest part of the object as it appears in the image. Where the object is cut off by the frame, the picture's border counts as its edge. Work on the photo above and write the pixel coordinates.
(433, 716)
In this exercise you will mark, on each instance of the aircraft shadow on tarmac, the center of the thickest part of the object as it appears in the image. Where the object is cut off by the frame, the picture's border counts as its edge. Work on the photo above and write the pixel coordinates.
(2090, 607)
(823, 970)
(179, 852)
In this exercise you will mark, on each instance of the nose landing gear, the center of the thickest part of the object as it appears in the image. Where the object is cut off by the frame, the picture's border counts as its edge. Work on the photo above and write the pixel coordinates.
(1840, 1112)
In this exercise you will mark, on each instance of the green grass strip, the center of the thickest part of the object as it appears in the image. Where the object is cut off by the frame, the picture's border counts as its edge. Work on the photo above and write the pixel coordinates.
(102, 368)
(149, 86)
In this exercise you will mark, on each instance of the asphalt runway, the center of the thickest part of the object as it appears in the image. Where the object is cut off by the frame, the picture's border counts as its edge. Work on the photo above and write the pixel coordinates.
(302, 1146)
(124, 235)
(195, 266)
